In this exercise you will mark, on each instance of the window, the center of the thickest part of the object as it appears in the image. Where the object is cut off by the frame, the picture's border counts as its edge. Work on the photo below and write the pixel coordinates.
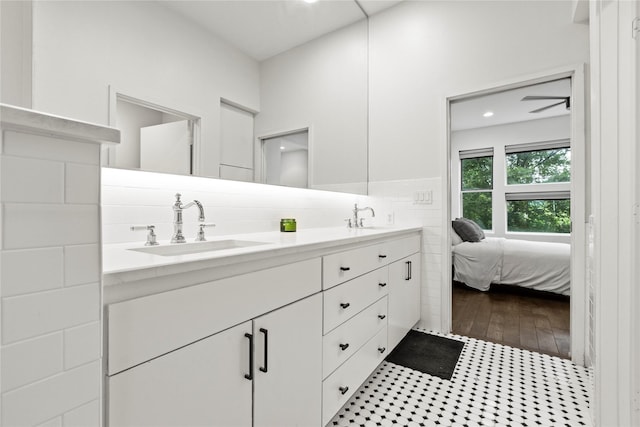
(477, 186)
(539, 212)
(545, 169)
(538, 163)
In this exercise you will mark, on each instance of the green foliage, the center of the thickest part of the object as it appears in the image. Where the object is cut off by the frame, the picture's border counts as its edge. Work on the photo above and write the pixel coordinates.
(542, 216)
(477, 173)
(477, 207)
(535, 167)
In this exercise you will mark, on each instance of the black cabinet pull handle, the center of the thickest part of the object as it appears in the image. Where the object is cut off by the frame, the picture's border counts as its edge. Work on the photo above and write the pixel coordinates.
(343, 390)
(345, 305)
(249, 376)
(382, 256)
(343, 347)
(382, 349)
(382, 285)
(382, 316)
(345, 268)
(408, 270)
(266, 350)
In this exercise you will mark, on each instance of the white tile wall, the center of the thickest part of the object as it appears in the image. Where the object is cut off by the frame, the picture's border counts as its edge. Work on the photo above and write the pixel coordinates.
(31, 360)
(42, 400)
(85, 415)
(143, 198)
(396, 199)
(31, 270)
(50, 347)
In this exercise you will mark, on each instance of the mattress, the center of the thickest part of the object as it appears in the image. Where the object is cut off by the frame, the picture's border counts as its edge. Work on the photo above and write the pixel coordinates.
(542, 266)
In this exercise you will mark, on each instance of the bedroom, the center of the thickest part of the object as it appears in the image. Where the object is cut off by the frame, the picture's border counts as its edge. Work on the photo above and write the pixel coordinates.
(511, 175)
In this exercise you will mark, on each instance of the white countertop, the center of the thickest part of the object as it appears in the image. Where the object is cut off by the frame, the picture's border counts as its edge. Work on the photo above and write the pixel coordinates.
(121, 265)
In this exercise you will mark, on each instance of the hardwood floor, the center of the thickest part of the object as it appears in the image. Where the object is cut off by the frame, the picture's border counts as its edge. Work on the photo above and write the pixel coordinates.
(517, 317)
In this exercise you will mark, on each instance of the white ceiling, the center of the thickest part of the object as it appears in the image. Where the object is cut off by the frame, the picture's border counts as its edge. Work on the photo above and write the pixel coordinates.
(508, 107)
(264, 28)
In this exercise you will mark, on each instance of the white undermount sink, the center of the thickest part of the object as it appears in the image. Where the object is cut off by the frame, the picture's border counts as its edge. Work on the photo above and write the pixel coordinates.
(175, 249)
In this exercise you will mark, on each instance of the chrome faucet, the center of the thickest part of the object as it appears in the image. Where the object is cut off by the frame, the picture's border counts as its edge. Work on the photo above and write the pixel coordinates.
(178, 207)
(357, 222)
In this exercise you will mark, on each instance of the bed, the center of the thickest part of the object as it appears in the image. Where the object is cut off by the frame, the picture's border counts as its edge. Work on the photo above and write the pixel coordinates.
(542, 266)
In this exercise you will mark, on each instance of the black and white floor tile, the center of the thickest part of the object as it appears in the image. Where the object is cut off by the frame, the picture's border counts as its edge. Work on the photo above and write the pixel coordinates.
(493, 385)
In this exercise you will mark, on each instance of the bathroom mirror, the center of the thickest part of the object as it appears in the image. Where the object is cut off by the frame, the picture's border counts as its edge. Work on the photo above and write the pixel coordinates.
(304, 81)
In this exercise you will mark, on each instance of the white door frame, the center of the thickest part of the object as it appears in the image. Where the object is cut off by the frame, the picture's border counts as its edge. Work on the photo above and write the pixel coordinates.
(578, 196)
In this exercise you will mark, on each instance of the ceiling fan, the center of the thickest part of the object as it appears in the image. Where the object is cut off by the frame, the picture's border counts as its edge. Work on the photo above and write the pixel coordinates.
(565, 101)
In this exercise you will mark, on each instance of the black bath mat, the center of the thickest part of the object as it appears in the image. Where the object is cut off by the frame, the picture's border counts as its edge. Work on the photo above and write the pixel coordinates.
(431, 354)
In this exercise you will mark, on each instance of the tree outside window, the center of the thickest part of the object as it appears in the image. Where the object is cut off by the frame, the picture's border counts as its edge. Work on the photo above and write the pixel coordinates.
(477, 186)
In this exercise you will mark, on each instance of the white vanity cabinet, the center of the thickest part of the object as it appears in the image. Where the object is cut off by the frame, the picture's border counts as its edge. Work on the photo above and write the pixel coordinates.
(269, 365)
(200, 384)
(404, 297)
(369, 306)
(256, 342)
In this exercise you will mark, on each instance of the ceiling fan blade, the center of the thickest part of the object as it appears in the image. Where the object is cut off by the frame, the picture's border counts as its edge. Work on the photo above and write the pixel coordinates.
(547, 107)
(535, 97)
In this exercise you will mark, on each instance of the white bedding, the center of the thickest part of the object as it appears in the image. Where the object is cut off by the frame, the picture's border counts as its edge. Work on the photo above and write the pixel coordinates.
(542, 266)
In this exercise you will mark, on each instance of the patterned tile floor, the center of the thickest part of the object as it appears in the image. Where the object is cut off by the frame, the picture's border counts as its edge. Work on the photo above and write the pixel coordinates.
(493, 385)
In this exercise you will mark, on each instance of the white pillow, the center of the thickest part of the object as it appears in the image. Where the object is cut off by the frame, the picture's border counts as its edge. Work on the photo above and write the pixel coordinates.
(455, 239)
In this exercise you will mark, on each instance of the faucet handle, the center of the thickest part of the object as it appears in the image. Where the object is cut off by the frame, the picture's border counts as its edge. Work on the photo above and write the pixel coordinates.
(151, 237)
(348, 221)
(200, 237)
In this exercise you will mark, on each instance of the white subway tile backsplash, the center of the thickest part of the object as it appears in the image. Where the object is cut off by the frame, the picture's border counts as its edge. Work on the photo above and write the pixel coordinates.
(81, 345)
(30, 270)
(31, 360)
(31, 180)
(44, 147)
(40, 225)
(54, 422)
(40, 313)
(82, 183)
(43, 400)
(84, 416)
(81, 264)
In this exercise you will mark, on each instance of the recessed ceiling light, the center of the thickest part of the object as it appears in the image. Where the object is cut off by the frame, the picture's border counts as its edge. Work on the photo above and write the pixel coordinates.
(282, 147)
(488, 114)
(310, 1)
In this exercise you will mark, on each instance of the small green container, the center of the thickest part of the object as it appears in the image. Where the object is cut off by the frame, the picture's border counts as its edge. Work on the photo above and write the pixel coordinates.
(287, 225)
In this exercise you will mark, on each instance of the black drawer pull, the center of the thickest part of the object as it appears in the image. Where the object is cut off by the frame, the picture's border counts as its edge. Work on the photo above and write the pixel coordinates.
(382, 316)
(382, 256)
(345, 305)
(382, 349)
(343, 347)
(265, 368)
(408, 270)
(343, 390)
(345, 268)
(382, 285)
(249, 376)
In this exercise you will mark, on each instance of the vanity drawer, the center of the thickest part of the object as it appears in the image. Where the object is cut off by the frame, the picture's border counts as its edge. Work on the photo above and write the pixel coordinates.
(340, 303)
(340, 386)
(343, 266)
(339, 344)
(147, 327)
(401, 248)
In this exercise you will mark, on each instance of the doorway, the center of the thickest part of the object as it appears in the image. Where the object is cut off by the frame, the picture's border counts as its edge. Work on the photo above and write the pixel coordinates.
(508, 201)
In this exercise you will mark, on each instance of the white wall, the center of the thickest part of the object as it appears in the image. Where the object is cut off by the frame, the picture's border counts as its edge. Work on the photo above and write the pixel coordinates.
(143, 50)
(293, 168)
(15, 53)
(553, 128)
(322, 85)
(423, 52)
